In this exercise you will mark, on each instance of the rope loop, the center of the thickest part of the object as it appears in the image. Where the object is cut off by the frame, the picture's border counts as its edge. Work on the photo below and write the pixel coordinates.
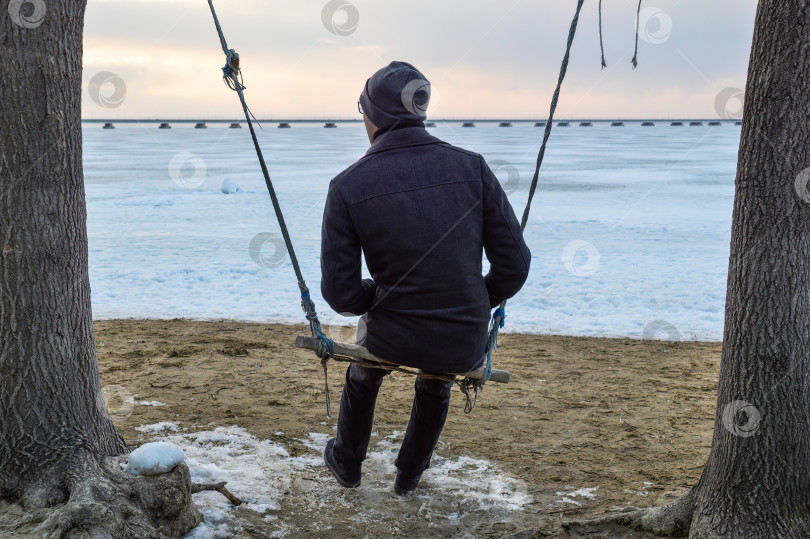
(326, 346)
(500, 313)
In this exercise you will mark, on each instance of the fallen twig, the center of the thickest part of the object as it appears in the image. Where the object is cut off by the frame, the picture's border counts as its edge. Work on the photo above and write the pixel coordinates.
(219, 487)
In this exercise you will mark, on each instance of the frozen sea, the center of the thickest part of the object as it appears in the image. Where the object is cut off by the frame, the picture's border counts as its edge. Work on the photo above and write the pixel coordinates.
(629, 230)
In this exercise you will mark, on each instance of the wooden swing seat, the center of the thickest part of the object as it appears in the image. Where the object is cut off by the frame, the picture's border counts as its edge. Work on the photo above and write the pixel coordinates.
(359, 354)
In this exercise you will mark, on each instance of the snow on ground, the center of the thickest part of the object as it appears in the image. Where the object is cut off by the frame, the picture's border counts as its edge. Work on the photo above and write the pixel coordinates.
(643, 491)
(158, 427)
(629, 231)
(261, 472)
(155, 458)
(569, 497)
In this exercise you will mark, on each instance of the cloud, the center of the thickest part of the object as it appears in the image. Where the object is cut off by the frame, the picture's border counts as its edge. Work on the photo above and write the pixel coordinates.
(486, 59)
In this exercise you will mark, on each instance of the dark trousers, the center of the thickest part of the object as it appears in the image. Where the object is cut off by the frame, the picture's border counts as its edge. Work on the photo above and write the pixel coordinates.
(356, 418)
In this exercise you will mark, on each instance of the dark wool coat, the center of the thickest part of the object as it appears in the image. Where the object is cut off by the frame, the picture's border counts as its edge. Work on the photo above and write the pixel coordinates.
(423, 213)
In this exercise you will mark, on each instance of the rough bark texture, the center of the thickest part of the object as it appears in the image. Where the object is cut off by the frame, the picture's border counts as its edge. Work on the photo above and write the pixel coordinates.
(49, 383)
(107, 502)
(758, 485)
(756, 482)
(58, 445)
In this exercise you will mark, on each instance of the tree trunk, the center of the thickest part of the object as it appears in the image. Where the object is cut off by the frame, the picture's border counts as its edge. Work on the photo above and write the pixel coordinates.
(49, 382)
(57, 442)
(756, 483)
(757, 480)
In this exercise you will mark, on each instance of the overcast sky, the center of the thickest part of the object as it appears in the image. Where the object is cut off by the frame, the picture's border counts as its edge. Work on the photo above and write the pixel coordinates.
(484, 58)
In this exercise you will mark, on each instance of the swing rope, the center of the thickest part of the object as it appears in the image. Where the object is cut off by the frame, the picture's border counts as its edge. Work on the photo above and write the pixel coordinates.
(232, 75)
(601, 41)
(634, 61)
(471, 388)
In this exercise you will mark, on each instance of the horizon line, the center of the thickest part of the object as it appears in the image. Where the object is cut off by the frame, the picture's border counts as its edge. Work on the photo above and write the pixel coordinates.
(355, 120)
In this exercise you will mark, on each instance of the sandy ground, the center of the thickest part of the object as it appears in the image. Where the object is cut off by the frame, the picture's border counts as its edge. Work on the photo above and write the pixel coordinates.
(633, 418)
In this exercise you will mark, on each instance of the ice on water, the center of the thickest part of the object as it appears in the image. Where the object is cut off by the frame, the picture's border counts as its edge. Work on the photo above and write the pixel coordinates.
(629, 231)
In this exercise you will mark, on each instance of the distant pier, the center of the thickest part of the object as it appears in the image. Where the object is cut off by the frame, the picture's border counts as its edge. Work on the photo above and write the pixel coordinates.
(331, 124)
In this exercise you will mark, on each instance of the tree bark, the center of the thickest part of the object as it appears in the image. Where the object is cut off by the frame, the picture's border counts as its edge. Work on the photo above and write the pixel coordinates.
(756, 482)
(58, 444)
(50, 392)
(757, 479)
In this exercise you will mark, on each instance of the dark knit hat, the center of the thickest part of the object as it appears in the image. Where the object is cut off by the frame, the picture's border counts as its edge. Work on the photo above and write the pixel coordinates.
(397, 93)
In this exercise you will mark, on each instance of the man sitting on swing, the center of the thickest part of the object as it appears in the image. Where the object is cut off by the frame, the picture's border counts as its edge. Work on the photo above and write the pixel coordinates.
(423, 213)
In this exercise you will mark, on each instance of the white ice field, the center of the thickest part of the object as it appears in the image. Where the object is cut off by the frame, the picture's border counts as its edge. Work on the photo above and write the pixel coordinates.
(629, 230)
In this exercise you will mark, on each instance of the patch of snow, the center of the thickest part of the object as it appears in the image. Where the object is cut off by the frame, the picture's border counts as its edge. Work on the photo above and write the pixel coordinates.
(643, 491)
(215, 525)
(474, 483)
(154, 459)
(260, 472)
(158, 427)
(481, 480)
(316, 441)
(229, 187)
(257, 471)
(589, 493)
(152, 403)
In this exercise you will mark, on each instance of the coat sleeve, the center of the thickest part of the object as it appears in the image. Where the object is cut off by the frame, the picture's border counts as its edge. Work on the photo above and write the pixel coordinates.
(342, 285)
(508, 255)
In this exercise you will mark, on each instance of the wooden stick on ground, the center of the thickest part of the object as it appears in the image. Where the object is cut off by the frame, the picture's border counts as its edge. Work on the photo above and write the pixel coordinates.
(219, 487)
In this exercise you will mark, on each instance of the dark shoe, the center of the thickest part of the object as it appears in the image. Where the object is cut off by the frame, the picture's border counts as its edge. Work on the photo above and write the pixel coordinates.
(405, 484)
(346, 478)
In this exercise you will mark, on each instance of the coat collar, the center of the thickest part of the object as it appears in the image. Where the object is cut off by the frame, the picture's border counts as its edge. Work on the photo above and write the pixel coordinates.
(402, 138)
